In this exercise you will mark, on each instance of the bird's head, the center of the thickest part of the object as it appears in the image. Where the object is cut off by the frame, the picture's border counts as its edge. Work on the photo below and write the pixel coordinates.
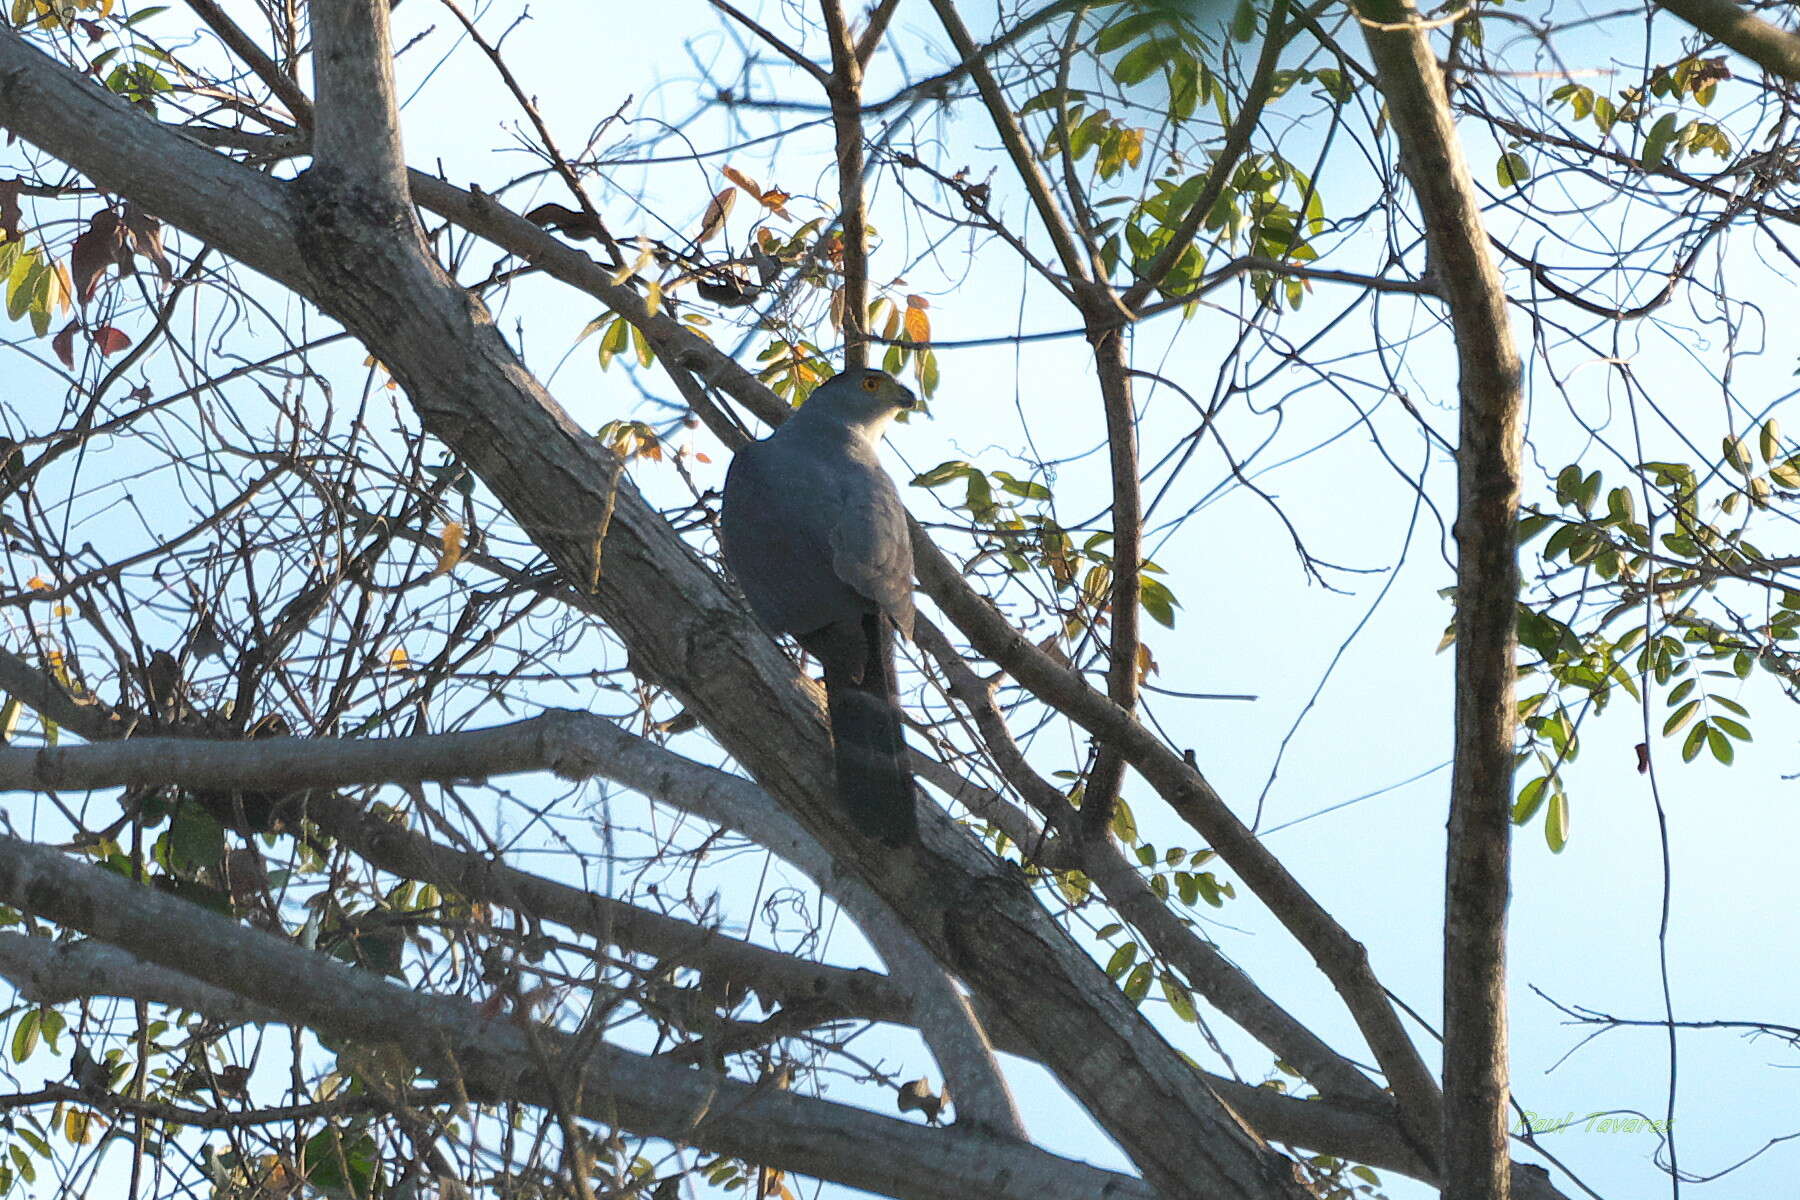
(861, 397)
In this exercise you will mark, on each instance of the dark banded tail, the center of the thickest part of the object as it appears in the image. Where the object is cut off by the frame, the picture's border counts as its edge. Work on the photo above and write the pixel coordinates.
(874, 776)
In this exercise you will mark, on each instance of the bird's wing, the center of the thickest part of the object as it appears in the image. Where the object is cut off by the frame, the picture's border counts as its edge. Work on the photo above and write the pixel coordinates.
(870, 548)
(776, 531)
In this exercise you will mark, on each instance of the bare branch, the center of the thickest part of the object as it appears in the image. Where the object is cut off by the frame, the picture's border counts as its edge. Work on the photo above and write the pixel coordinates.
(492, 1060)
(245, 47)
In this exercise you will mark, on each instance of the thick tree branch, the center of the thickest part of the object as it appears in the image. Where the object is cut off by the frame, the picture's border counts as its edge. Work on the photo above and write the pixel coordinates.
(58, 972)
(1474, 1111)
(1774, 49)
(356, 135)
(493, 1059)
(685, 631)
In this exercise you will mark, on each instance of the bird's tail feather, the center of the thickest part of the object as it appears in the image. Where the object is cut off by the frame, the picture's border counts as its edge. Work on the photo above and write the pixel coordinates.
(874, 776)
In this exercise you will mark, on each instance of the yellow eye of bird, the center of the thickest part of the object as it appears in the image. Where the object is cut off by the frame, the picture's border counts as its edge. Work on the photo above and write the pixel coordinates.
(871, 382)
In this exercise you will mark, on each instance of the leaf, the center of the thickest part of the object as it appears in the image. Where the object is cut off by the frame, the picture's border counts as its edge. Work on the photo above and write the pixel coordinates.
(942, 473)
(1556, 822)
(1770, 440)
(714, 220)
(742, 180)
(1720, 745)
(918, 325)
(196, 839)
(1531, 798)
(1737, 453)
(1695, 739)
(64, 344)
(1138, 985)
(1680, 717)
(1656, 145)
(145, 232)
(1158, 601)
(1121, 960)
(1180, 1000)
(450, 550)
(25, 1036)
(109, 340)
(97, 248)
(1512, 170)
(1243, 22)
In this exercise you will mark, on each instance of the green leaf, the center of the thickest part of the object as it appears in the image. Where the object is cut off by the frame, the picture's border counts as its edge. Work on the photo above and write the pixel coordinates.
(1511, 169)
(1735, 728)
(1720, 745)
(1138, 985)
(1139, 63)
(1696, 738)
(1121, 960)
(25, 1035)
(1158, 601)
(1737, 453)
(340, 1164)
(195, 839)
(1556, 822)
(942, 473)
(1531, 798)
(1657, 144)
(1180, 999)
(1243, 22)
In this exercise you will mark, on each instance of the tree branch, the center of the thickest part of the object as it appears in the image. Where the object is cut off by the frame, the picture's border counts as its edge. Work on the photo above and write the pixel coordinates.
(1774, 49)
(844, 89)
(356, 135)
(1474, 1108)
(265, 68)
(492, 1059)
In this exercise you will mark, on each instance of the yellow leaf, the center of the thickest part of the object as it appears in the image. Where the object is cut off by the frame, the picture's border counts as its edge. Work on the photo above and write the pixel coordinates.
(918, 325)
(61, 288)
(397, 659)
(653, 298)
(742, 180)
(775, 200)
(645, 252)
(38, 583)
(451, 551)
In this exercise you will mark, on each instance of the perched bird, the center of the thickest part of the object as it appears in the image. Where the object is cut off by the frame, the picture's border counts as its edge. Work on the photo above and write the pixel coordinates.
(815, 533)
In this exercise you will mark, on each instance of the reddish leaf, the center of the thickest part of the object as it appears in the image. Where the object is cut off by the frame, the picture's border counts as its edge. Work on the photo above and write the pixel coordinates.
(146, 238)
(110, 340)
(64, 344)
(94, 251)
(139, 394)
(9, 209)
(92, 28)
(1643, 757)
